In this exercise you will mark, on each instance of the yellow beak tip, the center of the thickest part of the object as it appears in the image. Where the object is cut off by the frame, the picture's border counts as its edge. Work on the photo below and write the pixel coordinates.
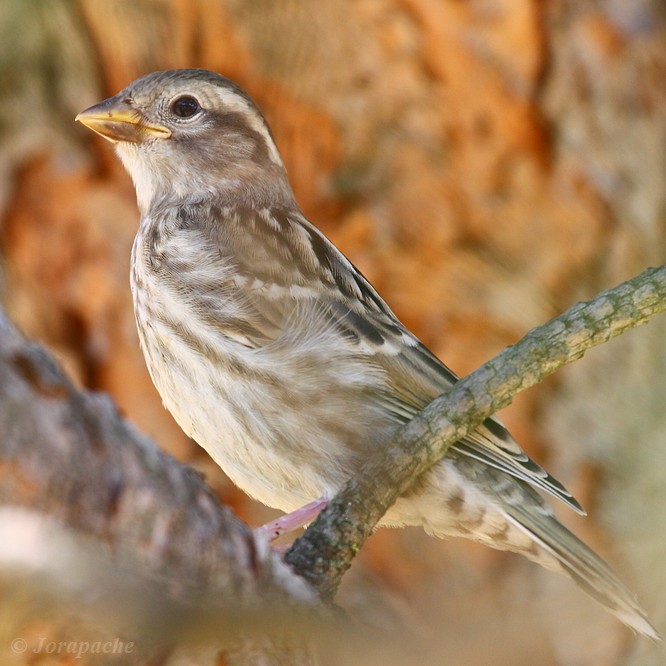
(116, 123)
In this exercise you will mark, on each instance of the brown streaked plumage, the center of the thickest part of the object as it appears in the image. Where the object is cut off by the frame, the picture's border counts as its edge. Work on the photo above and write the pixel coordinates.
(275, 354)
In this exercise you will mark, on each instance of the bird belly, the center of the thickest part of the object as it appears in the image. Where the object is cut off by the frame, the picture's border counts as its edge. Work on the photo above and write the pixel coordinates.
(224, 414)
(284, 429)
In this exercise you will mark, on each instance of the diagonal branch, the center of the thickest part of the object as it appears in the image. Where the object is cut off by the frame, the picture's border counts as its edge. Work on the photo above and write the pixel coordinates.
(324, 553)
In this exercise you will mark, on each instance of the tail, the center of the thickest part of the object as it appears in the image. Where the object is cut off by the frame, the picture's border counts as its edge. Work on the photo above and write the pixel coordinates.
(557, 548)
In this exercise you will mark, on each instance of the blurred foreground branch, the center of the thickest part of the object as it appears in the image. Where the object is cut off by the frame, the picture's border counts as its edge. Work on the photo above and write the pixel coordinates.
(117, 525)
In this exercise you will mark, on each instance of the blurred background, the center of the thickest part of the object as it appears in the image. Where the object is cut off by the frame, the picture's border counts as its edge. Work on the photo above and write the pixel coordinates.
(485, 163)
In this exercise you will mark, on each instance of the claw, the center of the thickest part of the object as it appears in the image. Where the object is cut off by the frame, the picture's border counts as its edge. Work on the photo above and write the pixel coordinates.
(291, 521)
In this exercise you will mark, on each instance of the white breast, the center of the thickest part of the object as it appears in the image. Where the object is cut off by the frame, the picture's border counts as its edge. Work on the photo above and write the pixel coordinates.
(275, 427)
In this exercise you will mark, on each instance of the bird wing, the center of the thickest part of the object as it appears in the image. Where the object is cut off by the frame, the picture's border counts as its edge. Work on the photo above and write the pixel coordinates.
(417, 377)
(290, 275)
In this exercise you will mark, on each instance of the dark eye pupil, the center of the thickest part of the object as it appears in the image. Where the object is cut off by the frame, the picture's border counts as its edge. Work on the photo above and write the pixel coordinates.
(185, 107)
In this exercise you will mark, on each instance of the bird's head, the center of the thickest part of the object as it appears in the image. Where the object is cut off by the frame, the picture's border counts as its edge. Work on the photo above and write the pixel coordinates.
(187, 134)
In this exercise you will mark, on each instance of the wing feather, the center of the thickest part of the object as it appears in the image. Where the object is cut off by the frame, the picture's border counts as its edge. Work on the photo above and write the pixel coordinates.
(287, 263)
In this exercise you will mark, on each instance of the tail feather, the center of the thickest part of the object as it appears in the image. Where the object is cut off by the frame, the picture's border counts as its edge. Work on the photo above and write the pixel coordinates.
(586, 568)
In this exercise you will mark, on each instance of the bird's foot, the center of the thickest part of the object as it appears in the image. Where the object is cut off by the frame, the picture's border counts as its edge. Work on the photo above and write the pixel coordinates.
(291, 521)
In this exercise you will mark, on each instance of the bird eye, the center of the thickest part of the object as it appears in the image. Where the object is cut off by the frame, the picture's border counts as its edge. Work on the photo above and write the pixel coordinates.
(185, 106)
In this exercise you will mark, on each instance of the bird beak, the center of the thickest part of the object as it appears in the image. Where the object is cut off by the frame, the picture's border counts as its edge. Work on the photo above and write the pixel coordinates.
(117, 120)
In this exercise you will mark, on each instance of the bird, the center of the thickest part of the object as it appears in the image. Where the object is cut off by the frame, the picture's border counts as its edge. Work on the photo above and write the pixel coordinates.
(275, 354)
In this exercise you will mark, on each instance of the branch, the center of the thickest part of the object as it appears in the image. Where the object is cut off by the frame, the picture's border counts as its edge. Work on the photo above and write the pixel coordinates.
(68, 455)
(95, 515)
(324, 553)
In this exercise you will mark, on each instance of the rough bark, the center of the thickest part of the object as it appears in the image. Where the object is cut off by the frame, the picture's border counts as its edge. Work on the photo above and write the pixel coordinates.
(326, 550)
